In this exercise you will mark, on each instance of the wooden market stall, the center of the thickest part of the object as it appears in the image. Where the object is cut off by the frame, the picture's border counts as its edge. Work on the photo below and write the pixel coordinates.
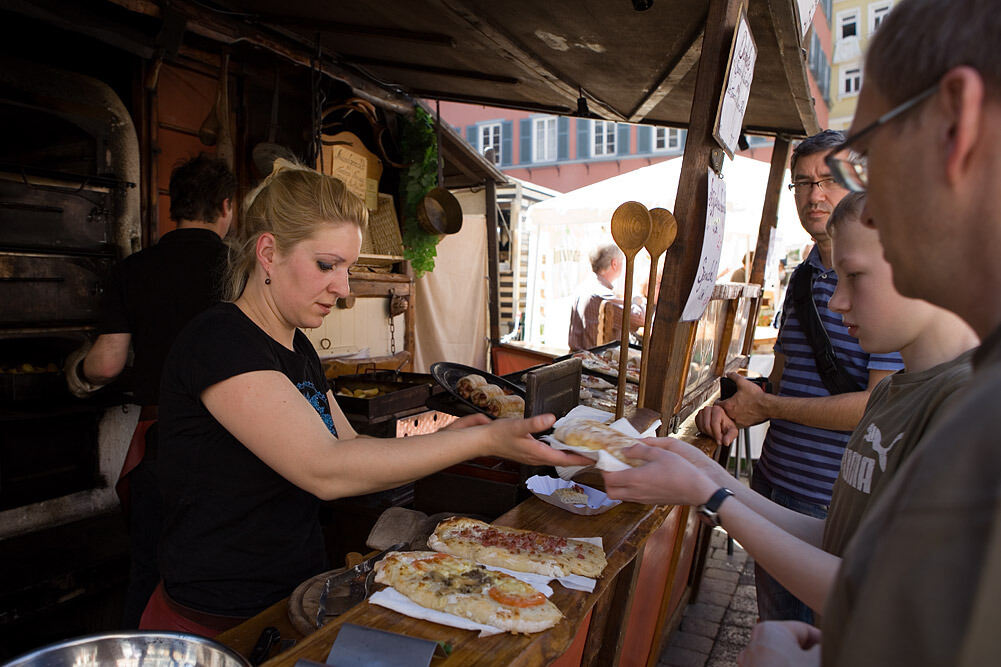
(667, 65)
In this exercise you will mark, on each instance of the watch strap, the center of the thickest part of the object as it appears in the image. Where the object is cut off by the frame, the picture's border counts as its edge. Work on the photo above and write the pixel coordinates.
(710, 509)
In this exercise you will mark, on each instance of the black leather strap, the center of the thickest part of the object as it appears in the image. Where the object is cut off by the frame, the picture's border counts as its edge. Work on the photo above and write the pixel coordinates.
(834, 376)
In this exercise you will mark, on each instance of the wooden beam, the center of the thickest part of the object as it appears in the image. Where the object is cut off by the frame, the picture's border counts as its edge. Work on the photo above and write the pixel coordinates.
(689, 47)
(793, 58)
(529, 62)
(769, 222)
(664, 390)
(229, 31)
(493, 270)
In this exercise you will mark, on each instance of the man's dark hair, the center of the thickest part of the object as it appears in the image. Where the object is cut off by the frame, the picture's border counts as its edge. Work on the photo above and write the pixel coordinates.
(198, 188)
(818, 143)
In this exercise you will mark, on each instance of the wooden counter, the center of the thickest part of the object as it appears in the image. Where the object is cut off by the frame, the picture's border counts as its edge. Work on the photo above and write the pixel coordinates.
(623, 622)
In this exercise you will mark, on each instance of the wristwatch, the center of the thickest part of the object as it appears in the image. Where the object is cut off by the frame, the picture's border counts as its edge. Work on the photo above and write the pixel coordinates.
(710, 509)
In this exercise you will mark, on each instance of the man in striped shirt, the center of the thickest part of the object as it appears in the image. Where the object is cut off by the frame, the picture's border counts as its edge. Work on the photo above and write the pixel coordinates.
(809, 426)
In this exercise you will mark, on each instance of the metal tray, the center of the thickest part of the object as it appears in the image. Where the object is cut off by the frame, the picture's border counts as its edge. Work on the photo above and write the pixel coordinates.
(614, 379)
(448, 374)
(401, 393)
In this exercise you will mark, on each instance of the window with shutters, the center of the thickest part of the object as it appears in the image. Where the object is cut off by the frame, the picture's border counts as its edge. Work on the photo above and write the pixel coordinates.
(490, 141)
(851, 81)
(666, 139)
(544, 139)
(603, 137)
(848, 24)
(877, 14)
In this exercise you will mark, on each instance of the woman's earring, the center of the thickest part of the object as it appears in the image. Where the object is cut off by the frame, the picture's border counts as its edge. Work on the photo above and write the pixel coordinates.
(267, 281)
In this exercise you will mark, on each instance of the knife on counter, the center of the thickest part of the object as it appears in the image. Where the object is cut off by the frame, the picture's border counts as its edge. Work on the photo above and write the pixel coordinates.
(358, 582)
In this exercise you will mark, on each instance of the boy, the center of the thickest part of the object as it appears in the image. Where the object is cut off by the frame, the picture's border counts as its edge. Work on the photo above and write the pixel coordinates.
(801, 552)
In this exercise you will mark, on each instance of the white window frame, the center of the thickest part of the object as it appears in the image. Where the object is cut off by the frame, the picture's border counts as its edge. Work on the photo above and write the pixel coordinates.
(884, 9)
(847, 74)
(603, 138)
(544, 139)
(666, 139)
(490, 137)
(843, 18)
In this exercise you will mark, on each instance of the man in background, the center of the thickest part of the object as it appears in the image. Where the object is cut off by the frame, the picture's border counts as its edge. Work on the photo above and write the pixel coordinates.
(149, 298)
(608, 264)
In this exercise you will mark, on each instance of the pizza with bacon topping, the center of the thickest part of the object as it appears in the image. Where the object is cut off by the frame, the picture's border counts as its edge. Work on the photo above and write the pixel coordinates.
(459, 586)
(521, 550)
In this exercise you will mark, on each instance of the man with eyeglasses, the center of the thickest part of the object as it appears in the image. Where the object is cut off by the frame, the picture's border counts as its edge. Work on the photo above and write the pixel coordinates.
(920, 583)
(812, 412)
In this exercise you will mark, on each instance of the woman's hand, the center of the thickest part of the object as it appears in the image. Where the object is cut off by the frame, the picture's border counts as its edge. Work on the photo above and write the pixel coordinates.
(714, 422)
(665, 479)
(512, 439)
(782, 644)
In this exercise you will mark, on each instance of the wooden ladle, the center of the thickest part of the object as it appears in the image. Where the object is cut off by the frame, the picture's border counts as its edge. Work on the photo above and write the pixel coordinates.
(630, 229)
(663, 231)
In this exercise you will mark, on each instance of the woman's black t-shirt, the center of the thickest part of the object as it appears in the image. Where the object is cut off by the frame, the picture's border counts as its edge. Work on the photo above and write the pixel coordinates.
(237, 536)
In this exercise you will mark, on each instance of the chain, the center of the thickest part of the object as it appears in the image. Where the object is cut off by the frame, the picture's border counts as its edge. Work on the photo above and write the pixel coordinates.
(392, 334)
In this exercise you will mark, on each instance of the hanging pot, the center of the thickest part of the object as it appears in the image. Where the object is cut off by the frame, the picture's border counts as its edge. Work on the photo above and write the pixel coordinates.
(439, 211)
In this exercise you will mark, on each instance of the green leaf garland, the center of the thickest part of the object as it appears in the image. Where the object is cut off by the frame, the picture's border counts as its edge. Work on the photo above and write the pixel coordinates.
(419, 147)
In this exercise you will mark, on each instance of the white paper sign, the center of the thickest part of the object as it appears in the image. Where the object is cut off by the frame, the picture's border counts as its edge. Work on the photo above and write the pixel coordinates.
(712, 244)
(738, 88)
(807, 8)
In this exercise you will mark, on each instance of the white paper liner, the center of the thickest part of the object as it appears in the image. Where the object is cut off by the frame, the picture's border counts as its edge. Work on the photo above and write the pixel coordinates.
(603, 460)
(390, 598)
(544, 487)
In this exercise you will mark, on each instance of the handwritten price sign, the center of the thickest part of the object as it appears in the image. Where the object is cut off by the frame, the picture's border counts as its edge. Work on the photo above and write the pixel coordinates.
(712, 245)
(740, 73)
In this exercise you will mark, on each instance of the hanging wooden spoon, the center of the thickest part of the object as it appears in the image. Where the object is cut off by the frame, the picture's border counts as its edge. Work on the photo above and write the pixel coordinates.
(663, 231)
(630, 230)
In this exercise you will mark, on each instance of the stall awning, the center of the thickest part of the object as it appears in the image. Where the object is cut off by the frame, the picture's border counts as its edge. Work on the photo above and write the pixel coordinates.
(634, 66)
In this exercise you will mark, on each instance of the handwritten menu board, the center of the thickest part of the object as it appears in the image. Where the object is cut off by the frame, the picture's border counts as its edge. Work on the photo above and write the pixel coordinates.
(712, 244)
(737, 89)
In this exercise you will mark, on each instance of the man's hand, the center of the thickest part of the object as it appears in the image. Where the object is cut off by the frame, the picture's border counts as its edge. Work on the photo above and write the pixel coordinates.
(665, 479)
(782, 644)
(713, 421)
(748, 406)
(695, 456)
(77, 383)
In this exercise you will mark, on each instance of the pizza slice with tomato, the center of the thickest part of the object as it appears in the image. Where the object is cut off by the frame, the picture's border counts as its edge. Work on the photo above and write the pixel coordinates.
(462, 587)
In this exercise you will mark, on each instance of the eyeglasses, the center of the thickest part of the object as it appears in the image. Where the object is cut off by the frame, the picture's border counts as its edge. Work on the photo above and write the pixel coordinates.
(850, 167)
(804, 187)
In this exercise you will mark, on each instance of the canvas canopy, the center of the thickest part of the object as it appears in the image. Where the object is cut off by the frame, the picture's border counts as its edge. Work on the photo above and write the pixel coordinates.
(565, 228)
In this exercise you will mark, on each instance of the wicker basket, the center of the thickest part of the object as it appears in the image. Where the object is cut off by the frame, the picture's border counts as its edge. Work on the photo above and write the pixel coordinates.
(382, 237)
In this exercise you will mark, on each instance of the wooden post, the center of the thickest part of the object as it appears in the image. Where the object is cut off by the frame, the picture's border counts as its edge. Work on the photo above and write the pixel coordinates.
(490, 194)
(769, 221)
(664, 390)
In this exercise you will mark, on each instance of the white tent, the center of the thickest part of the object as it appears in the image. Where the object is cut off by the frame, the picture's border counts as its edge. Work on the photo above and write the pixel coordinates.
(564, 229)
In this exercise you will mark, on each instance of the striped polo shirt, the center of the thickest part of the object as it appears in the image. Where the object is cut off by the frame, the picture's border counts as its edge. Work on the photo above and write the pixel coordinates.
(804, 461)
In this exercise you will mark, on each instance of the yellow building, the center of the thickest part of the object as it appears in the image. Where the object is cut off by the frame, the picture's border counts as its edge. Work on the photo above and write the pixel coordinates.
(853, 22)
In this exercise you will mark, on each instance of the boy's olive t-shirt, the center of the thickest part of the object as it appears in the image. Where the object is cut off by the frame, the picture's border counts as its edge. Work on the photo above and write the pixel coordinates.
(900, 410)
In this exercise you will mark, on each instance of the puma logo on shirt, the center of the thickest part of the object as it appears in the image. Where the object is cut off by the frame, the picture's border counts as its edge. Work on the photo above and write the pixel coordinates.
(857, 469)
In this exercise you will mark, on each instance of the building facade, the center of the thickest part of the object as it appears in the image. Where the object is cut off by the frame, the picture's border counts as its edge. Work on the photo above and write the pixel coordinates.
(853, 22)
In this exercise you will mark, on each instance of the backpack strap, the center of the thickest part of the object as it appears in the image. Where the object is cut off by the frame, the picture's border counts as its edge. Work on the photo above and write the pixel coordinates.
(832, 373)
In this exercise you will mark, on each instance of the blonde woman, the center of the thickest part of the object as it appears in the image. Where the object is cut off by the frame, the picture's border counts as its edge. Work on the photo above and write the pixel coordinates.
(251, 437)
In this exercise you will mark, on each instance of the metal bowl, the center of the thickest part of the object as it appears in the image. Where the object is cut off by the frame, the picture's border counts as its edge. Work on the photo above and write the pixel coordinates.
(133, 649)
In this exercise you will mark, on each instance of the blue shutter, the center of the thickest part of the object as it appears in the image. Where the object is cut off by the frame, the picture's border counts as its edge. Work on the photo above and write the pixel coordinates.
(507, 137)
(644, 139)
(682, 138)
(525, 140)
(472, 138)
(583, 138)
(622, 139)
(562, 138)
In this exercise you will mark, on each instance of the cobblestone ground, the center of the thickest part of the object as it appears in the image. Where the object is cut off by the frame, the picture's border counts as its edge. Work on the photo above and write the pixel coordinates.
(717, 625)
